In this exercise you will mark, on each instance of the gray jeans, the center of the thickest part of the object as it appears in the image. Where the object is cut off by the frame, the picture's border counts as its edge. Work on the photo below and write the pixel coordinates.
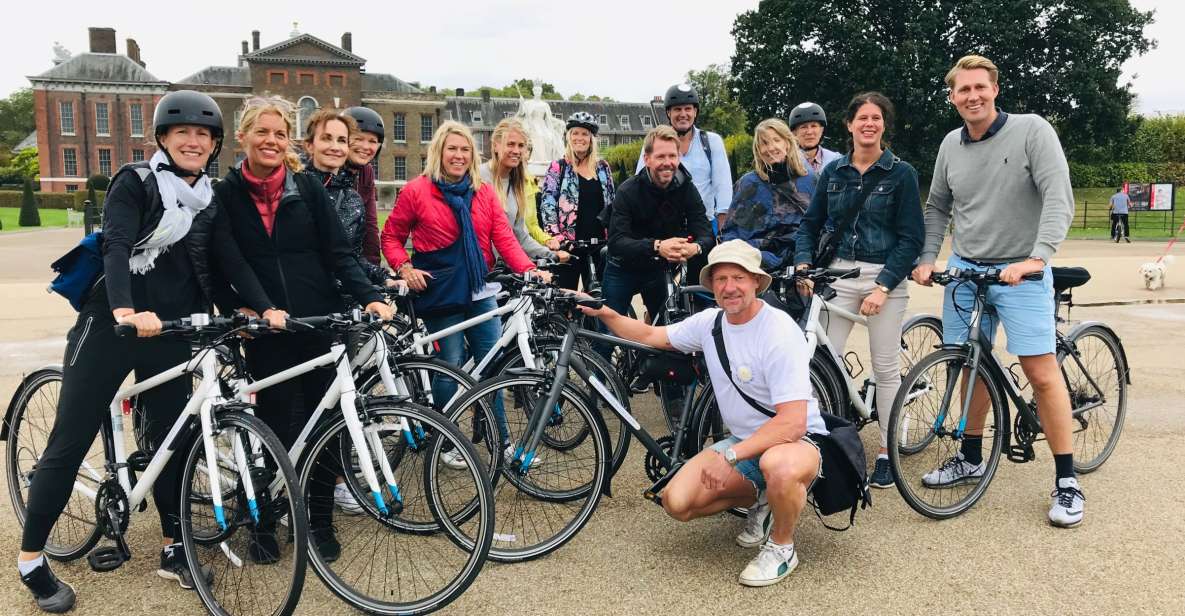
(884, 331)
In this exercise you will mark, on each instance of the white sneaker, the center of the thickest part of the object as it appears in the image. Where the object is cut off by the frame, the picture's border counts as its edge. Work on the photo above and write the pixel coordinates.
(508, 456)
(772, 564)
(953, 472)
(345, 500)
(757, 524)
(1068, 504)
(452, 459)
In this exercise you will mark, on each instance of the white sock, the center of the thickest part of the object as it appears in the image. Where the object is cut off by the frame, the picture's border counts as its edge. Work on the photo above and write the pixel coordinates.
(27, 566)
(882, 456)
(789, 547)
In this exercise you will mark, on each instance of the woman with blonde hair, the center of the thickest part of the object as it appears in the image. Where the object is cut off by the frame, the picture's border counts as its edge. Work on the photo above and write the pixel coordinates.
(456, 223)
(286, 227)
(506, 171)
(575, 190)
(767, 206)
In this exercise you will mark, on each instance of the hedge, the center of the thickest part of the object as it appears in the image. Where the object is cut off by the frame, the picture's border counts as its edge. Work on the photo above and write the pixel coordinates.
(623, 158)
(51, 201)
(1115, 174)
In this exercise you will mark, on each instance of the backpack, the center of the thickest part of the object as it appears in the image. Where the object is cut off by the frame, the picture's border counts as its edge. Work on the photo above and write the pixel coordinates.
(843, 478)
(80, 269)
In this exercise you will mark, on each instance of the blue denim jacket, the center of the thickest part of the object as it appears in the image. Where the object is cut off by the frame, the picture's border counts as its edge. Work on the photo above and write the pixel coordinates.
(888, 228)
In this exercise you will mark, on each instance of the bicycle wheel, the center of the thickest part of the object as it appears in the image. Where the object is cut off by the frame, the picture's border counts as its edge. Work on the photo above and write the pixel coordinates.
(930, 400)
(828, 386)
(383, 568)
(35, 407)
(619, 436)
(709, 428)
(256, 559)
(540, 509)
(920, 336)
(1096, 377)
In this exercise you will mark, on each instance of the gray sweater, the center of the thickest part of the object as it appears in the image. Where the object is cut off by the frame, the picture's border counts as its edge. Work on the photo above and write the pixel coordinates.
(534, 249)
(1010, 195)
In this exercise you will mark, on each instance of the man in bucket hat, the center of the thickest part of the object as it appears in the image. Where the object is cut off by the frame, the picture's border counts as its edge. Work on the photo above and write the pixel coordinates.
(769, 463)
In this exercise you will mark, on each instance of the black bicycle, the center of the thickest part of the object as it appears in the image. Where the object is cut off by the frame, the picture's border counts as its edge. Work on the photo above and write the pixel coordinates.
(933, 414)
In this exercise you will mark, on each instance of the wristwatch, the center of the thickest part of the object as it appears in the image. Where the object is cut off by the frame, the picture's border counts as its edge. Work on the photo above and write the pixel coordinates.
(656, 244)
(730, 456)
(882, 287)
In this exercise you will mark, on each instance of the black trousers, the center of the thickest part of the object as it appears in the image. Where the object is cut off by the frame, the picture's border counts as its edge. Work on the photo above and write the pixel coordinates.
(96, 363)
(286, 407)
(1115, 230)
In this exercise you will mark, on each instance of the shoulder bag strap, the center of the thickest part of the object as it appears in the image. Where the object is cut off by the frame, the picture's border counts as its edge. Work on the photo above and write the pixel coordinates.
(722, 353)
(851, 216)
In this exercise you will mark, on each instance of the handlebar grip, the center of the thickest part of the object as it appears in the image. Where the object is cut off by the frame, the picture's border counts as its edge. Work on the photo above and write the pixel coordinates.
(590, 303)
(125, 330)
(1034, 276)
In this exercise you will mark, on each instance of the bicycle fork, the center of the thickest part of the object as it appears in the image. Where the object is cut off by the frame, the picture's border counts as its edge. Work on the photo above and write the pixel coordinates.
(525, 451)
(363, 443)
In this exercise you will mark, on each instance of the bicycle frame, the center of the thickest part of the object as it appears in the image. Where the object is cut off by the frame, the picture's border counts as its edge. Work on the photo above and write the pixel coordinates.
(816, 334)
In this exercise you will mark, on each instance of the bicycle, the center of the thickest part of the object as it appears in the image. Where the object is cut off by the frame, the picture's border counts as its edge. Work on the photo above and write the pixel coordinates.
(387, 450)
(236, 481)
(932, 413)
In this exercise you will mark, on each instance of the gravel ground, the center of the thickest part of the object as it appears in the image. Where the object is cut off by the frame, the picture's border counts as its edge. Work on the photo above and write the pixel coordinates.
(1001, 557)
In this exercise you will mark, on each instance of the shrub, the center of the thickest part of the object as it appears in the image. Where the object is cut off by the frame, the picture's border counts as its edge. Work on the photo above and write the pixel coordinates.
(98, 181)
(29, 216)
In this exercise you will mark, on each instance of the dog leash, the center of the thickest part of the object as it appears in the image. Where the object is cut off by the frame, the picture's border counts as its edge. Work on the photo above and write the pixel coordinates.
(1171, 242)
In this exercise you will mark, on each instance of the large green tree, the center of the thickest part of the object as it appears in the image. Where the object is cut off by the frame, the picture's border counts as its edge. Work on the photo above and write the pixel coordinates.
(1057, 58)
(16, 118)
(719, 110)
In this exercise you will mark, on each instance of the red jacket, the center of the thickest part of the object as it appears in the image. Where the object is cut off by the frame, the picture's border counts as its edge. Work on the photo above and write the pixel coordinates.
(422, 213)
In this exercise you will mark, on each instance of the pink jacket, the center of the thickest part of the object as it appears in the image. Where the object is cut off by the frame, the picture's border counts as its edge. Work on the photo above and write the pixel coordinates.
(420, 212)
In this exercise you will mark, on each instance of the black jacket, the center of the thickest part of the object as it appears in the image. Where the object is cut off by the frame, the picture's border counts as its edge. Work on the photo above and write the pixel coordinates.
(183, 279)
(307, 250)
(351, 211)
(643, 212)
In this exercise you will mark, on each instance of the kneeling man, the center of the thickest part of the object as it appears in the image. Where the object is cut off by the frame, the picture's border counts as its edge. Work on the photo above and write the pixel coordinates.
(769, 463)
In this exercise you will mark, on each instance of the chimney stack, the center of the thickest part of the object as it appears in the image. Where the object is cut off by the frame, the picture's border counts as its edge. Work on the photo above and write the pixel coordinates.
(134, 52)
(348, 42)
(432, 89)
(102, 40)
(485, 95)
(460, 91)
(255, 40)
(246, 50)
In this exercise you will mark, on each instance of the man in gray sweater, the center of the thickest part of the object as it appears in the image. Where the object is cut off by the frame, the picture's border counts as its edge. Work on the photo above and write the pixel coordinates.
(1005, 182)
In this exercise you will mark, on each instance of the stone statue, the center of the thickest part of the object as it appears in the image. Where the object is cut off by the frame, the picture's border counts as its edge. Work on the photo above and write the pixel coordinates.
(545, 131)
(60, 53)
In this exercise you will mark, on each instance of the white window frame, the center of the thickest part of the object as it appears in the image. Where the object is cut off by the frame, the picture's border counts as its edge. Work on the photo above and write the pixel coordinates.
(62, 107)
(300, 119)
(105, 120)
(603, 119)
(475, 117)
(431, 125)
(399, 159)
(603, 142)
(558, 116)
(143, 155)
(132, 108)
(625, 122)
(398, 119)
(213, 168)
(99, 160)
(65, 164)
(647, 122)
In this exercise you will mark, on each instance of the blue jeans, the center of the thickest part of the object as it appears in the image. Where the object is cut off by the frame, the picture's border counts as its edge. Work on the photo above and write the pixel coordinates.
(481, 339)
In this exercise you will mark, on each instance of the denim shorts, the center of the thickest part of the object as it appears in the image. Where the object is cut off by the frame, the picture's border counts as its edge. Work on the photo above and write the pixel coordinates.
(751, 469)
(1027, 311)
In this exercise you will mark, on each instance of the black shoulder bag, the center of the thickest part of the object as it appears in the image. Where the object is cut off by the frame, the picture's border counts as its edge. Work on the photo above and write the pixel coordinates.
(843, 484)
(829, 238)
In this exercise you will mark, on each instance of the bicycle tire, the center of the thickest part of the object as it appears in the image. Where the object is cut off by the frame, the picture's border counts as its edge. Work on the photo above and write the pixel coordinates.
(945, 367)
(35, 406)
(920, 336)
(278, 502)
(828, 386)
(709, 428)
(537, 515)
(374, 572)
(1109, 375)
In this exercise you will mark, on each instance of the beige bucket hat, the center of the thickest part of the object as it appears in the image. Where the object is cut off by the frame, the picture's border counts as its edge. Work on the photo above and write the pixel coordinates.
(739, 253)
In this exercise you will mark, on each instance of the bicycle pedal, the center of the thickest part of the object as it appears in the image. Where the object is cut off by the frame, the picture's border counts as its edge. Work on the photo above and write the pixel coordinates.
(106, 559)
(138, 461)
(1020, 454)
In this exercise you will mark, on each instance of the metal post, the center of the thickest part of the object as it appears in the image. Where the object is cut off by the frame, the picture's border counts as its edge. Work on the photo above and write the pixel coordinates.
(92, 216)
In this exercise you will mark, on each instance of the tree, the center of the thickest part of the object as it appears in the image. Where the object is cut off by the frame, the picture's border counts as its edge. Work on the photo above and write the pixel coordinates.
(1058, 58)
(29, 216)
(16, 118)
(98, 181)
(719, 110)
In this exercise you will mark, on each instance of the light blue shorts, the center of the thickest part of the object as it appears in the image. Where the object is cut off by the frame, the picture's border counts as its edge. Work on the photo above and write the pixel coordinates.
(1027, 311)
(751, 469)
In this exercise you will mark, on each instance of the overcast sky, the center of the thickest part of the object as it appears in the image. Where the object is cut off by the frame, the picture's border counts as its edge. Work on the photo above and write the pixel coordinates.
(628, 49)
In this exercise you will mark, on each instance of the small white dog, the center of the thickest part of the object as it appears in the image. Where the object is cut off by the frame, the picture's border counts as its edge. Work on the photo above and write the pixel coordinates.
(1154, 272)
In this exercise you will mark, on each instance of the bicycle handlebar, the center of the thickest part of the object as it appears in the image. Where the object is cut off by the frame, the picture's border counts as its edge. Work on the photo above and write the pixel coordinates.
(197, 323)
(985, 277)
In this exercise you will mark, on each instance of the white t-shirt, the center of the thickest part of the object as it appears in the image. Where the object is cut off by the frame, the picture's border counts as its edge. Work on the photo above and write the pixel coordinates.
(768, 357)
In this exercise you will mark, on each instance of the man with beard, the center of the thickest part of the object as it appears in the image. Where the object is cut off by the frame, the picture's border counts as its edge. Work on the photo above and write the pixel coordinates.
(769, 462)
(808, 122)
(701, 152)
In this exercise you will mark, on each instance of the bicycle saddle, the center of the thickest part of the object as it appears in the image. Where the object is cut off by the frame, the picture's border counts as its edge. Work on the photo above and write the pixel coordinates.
(1069, 277)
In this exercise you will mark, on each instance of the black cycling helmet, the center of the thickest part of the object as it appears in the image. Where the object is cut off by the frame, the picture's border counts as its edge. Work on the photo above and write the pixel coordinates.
(680, 94)
(807, 112)
(369, 121)
(585, 120)
(187, 107)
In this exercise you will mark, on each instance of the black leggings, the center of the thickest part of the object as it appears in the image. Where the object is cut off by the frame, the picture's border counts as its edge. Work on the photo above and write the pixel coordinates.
(96, 363)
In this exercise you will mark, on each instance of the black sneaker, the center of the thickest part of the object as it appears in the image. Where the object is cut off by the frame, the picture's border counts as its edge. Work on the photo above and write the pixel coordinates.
(640, 385)
(327, 546)
(52, 594)
(882, 477)
(174, 567)
(263, 548)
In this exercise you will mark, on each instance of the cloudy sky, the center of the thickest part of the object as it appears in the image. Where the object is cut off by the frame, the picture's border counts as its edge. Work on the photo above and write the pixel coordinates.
(628, 49)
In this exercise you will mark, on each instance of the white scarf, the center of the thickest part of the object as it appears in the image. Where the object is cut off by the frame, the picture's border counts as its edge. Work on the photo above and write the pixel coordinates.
(181, 202)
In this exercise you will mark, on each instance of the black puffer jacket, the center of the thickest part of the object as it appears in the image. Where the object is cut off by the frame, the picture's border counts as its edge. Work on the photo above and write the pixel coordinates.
(132, 211)
(643, 212)
(306, 251)
(351, 211)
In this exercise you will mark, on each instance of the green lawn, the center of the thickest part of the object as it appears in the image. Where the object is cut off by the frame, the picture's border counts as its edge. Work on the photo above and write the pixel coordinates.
(49, 219)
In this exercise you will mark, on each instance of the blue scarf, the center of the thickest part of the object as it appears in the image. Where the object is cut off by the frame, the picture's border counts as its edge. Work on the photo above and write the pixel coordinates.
(459, 197)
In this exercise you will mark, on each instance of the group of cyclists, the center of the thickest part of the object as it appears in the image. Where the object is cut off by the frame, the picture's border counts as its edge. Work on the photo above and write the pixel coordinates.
(292, 231)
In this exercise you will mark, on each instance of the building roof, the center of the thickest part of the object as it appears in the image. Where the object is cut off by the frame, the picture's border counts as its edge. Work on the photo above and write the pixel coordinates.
(290, 52)
(220, 76)
(29, 141)
(383, 82)
(98, 68)
(493, 110)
